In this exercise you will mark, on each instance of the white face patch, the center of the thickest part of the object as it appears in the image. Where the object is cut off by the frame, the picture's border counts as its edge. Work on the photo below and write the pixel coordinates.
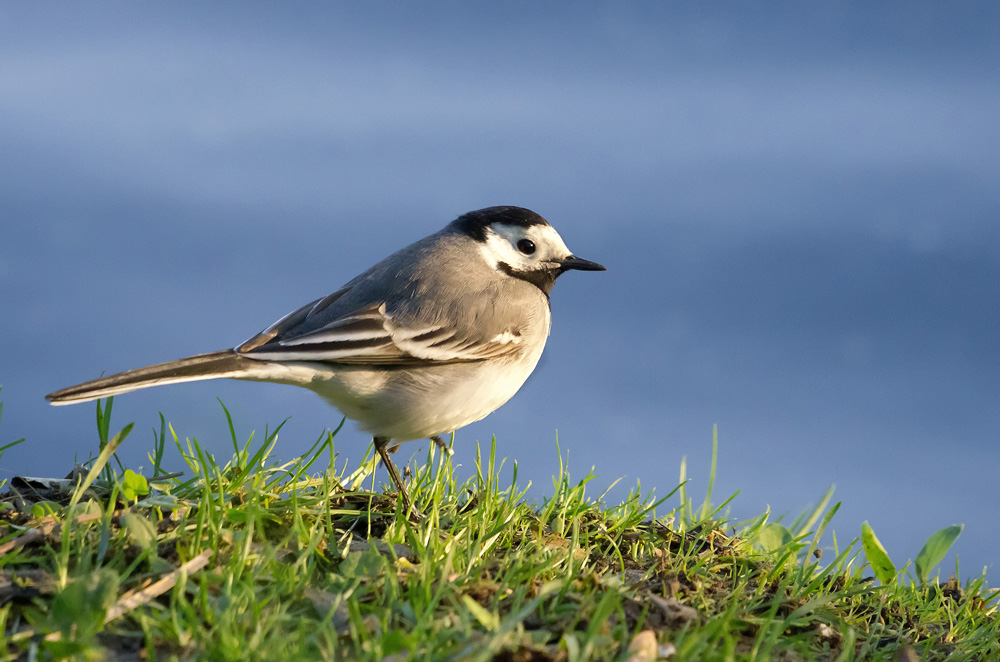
(507, 244)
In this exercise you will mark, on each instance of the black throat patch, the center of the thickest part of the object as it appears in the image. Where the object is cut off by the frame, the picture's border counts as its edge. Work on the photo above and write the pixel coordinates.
(543, 279)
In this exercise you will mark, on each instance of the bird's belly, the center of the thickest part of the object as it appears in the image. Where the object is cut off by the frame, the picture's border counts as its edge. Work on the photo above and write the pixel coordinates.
(417, 403)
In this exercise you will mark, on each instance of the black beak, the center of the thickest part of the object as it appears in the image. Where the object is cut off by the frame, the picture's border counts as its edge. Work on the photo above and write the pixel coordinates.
(578, 263)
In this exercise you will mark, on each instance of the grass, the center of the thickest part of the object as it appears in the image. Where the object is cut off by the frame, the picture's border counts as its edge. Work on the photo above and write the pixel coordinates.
(255, 559)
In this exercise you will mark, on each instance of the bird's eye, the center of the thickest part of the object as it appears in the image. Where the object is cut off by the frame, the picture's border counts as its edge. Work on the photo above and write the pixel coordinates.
(526, 246)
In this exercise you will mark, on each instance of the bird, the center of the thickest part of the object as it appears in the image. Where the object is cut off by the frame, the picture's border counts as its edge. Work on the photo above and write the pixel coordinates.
(436, 336)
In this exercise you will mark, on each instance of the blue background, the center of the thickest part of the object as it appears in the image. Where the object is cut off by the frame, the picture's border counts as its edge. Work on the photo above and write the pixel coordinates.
(798, 205)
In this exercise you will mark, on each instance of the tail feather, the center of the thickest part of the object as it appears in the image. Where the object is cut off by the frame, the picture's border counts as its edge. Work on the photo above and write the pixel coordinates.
(225, 363)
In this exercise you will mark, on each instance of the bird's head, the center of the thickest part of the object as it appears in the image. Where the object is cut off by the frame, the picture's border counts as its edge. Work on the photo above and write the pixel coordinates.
(522, 244)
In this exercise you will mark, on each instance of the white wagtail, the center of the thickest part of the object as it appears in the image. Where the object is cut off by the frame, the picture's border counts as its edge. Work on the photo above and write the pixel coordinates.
(432, 338)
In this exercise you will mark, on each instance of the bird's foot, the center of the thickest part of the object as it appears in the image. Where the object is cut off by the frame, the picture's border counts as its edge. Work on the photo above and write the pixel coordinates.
(443, 445)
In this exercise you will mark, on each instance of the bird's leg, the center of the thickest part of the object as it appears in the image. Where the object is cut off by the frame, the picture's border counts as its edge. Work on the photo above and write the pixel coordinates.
(445, 448)
(381, 444)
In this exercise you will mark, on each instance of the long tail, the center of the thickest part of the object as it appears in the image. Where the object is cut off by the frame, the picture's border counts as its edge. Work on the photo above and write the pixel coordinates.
(225, 363)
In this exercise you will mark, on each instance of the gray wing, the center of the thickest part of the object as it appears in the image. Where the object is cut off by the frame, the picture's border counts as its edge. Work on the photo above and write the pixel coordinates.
(396, 317)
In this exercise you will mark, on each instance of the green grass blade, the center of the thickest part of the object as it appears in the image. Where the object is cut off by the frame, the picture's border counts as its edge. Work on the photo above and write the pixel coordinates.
(934, 550)
(706, 506)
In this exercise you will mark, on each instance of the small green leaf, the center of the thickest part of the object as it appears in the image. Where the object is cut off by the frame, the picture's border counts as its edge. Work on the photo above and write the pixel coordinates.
(43, 508)
(486, 618)
(80, 607)
(395, 641)
(773, 536)
(134, 485)
(104, 588)
(933, 551)
(884, 570)
(362, 564)
(572, 646)
(89, 507)
(70, 605)
(160, 501)
(140, 530)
